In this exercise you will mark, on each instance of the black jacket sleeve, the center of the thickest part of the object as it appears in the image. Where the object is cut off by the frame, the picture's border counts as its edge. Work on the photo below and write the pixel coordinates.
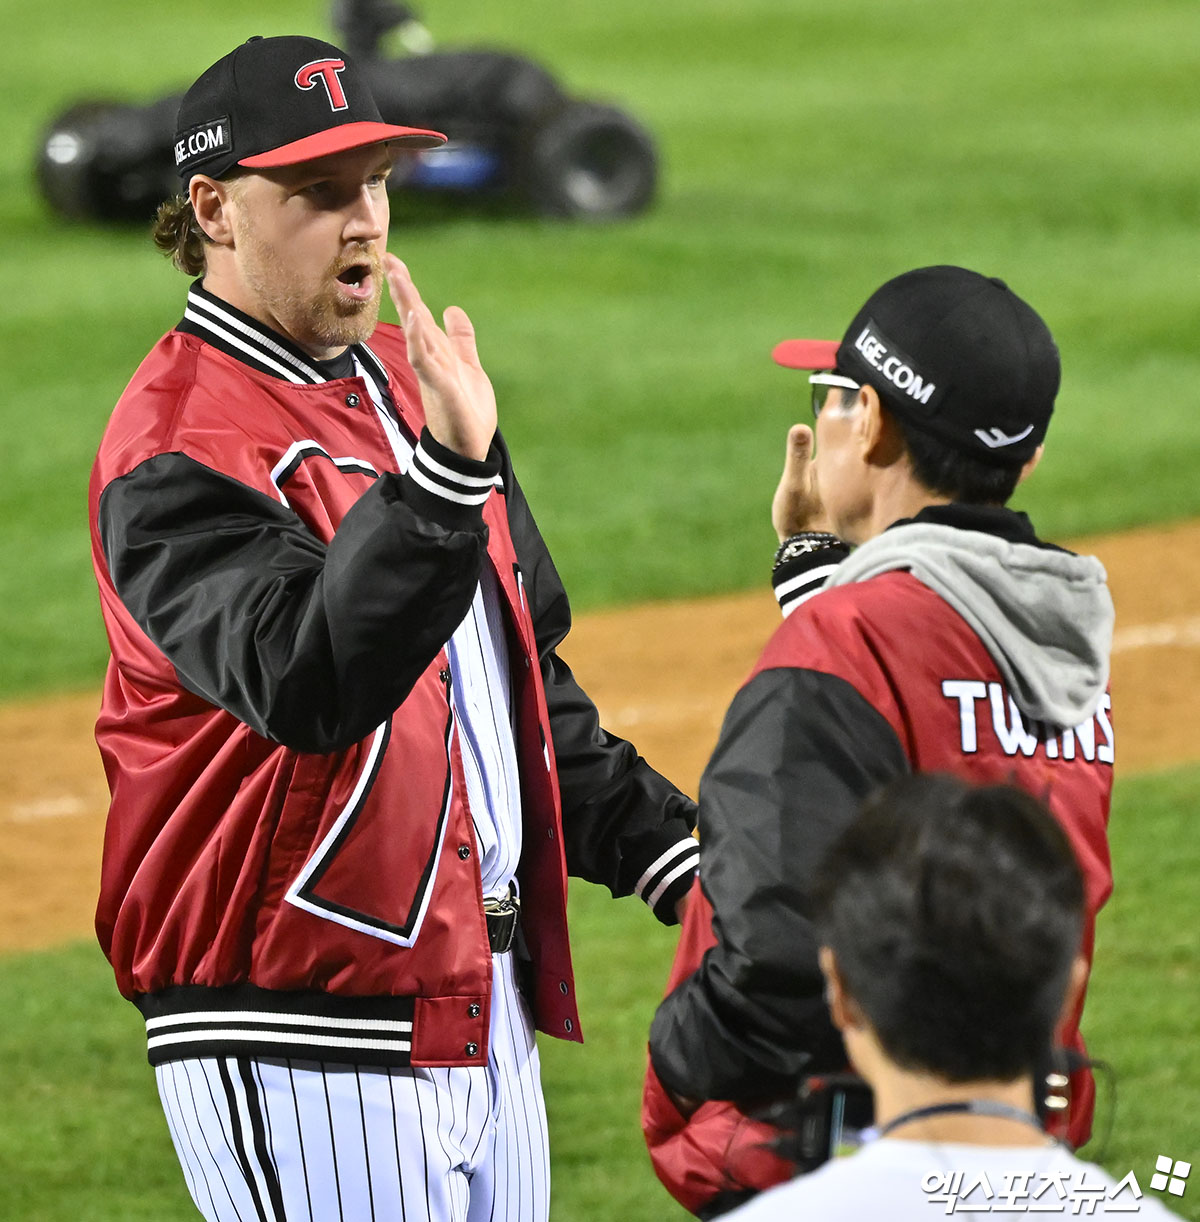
(624, 824)
(310, 645)
(798, 752)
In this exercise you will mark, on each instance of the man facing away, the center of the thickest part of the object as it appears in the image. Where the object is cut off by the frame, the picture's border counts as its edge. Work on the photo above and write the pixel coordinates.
(349, 773)
(949, 920)
(950, 639)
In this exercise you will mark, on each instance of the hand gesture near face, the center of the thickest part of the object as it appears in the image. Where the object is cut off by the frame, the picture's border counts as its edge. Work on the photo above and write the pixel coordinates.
(460, 404)
(797, 503)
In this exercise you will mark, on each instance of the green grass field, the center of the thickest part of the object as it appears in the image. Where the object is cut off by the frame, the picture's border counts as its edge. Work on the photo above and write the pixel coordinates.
(82, 1138)
(809, 152)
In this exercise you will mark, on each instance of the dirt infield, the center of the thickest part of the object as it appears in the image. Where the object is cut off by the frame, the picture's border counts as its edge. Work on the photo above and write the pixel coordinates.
(662, 676)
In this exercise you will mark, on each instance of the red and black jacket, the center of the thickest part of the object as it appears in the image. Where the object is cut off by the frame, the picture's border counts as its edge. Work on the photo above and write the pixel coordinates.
(861, 683)
(289, 862)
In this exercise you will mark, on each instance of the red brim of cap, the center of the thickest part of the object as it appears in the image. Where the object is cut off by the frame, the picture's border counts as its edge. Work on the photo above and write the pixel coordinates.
(340, 139)
(806, 353)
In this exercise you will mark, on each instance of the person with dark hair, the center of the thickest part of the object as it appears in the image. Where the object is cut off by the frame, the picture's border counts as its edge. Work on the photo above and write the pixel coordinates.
(349, 771)
(949, 919)
(927, 628)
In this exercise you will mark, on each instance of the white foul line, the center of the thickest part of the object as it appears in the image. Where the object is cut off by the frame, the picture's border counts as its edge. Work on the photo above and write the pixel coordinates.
(1172, 632)
(1180, 633)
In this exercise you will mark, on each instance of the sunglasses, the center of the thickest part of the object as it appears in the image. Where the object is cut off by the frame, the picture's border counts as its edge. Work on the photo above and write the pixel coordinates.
(822, 383)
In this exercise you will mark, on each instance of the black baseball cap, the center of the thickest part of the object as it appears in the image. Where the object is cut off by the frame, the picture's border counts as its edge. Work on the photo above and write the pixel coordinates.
(954, 353)
(280, 101)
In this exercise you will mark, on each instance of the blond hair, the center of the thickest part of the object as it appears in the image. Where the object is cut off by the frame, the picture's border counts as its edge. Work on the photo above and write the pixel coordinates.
(177, 233)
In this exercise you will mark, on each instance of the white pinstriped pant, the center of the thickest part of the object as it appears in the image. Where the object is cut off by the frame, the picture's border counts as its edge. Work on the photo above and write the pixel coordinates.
(268, 1140)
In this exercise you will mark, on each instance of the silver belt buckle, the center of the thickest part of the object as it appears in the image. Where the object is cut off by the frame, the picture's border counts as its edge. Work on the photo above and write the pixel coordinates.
(502, 916)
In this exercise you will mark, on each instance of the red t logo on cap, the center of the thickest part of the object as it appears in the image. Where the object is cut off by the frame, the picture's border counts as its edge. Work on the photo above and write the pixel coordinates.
(327, 71)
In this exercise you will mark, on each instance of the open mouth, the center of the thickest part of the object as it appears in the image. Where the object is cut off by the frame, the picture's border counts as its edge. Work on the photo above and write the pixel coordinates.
(356, 281)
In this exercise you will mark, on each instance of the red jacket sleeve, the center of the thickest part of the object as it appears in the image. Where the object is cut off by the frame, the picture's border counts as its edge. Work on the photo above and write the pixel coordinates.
(718, 1155)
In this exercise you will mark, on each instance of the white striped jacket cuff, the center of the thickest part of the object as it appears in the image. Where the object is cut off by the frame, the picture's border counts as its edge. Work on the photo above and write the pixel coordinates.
(447, 487)
(797, 580)
(669, 877)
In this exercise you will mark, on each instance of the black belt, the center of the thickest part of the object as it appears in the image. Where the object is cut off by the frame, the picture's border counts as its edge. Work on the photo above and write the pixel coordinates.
(503, 916)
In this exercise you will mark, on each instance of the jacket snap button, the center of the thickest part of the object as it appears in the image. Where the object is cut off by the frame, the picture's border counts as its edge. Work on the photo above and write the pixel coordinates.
(549, 833)
(568, 1025)
(464, 851)
(352, 400)
(473, 1010)
(444, 674)
(472, 1048)
(562, 987)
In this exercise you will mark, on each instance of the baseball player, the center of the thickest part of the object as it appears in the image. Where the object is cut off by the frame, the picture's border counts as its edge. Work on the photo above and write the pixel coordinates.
(349, 773)
(951, 638)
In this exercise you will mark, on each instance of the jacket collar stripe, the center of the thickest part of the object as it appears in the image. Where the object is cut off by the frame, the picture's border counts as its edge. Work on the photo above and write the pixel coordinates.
(257, 342)
(376, 385)
(230, 344)
(368, 358)
(239, 336)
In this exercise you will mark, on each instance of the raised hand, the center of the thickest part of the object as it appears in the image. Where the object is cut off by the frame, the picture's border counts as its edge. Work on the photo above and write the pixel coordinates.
(460, 404)
(797, 504)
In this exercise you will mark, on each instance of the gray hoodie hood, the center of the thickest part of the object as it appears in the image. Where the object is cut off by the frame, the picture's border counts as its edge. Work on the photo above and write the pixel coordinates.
(1045, 616)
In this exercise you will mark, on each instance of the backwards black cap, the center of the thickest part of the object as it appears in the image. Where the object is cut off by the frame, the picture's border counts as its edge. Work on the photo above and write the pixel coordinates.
(953, 353)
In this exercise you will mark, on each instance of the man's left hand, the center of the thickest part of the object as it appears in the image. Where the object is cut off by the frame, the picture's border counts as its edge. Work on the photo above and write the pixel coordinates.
(460, 404)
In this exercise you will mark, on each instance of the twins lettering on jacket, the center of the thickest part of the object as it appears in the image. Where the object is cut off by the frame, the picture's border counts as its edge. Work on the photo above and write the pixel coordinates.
(986, 709)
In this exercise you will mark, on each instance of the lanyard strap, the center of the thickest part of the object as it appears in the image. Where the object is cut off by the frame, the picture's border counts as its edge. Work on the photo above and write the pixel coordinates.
(973, 1107)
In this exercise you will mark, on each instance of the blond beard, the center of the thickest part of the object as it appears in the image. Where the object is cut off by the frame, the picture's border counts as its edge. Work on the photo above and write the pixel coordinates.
(325, 320)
